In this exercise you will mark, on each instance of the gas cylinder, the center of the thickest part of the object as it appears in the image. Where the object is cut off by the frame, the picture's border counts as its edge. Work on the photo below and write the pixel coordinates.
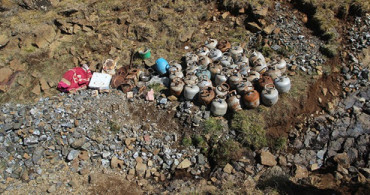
(203, 51)
(226, 60)
(244, 70)
(251, 99)
(176, 73)
(224, 45)
(234, 80)
(206, 95)
(205, 82)
(215, 68)
(233, 102)
(222, 89)
(211, 43)
(241, 59)
(191, 57)
(273, 72)
(191, 67)
(162, 66)
(200, 72)
(236, 50)
(219, 106)
(191, 79)
(282, 84)
(177, 86)
(259, 66)
(204, 61)
(220, 78)
(269, 95)
(253, 76)
(215, 54)
(174, 64)
(281, 65)
(244, 86)
(190, 91)
(262, 82)
(257, 57)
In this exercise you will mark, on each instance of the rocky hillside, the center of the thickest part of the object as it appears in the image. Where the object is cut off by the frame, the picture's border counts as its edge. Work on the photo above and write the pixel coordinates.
(314, 140)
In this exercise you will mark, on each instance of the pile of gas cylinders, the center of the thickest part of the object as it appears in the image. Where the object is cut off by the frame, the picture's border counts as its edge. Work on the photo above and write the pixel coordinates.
(224, 76)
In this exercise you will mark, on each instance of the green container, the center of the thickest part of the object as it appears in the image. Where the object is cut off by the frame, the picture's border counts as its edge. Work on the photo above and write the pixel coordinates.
(145, 53)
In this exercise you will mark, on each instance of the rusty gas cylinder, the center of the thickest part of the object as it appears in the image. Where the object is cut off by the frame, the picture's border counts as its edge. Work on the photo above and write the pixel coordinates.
(233, 102)
(251, 99)
(177, 86)
(264, 81)
(206, 95)
(222, 89)
(224, 45)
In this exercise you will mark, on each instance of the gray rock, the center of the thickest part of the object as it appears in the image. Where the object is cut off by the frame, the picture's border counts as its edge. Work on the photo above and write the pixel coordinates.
(30, 140)
(37, 155)
(73, 154)
(336, 144)
(352, 154)
(201, 159)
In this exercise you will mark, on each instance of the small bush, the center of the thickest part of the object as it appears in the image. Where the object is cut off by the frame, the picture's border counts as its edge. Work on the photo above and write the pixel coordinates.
(157, 87)
(225, 152)
(250, 129)
(199, 142)
(114, 127)
(330, 50)
(267, 51)
(280, 143)
(213, 126)
(186, 141)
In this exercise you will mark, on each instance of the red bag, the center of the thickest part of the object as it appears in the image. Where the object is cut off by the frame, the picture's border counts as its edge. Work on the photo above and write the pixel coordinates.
(74, 79)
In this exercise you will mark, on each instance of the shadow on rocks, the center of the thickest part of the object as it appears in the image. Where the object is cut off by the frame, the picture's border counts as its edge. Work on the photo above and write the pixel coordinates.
(284, 186)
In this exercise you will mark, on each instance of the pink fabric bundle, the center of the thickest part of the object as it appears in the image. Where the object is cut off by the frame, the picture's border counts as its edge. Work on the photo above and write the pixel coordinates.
(74, 79)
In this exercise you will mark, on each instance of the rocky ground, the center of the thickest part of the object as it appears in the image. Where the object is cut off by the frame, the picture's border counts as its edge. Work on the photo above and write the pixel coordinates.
(102, 143)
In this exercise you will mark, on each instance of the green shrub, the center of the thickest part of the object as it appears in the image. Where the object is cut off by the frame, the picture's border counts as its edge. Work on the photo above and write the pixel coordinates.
(186, 141)
(250, 129)
(280, 143)
(330, 50)
(225, 152)
(199, 142)
(157, 87)
(213, 126)
(114, 127)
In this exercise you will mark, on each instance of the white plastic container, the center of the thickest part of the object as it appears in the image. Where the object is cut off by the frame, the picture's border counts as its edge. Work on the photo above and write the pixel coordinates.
(100, 81)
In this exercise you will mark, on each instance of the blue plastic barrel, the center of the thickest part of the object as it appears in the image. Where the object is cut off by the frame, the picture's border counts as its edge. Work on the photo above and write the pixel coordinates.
(162, 66)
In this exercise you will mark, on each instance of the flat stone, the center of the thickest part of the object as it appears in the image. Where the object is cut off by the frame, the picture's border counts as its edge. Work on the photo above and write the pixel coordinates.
(267, 158)
(73, 154)
(5, 74)
(30, 140)
(253, 27)
(4, 39)
(342, 159)
(36, 90)
(140, 169)
(52, 189)
(269, 29)
(44, 85)
(260, 11)
(300, 172)
(184, 164)
(228, 168)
